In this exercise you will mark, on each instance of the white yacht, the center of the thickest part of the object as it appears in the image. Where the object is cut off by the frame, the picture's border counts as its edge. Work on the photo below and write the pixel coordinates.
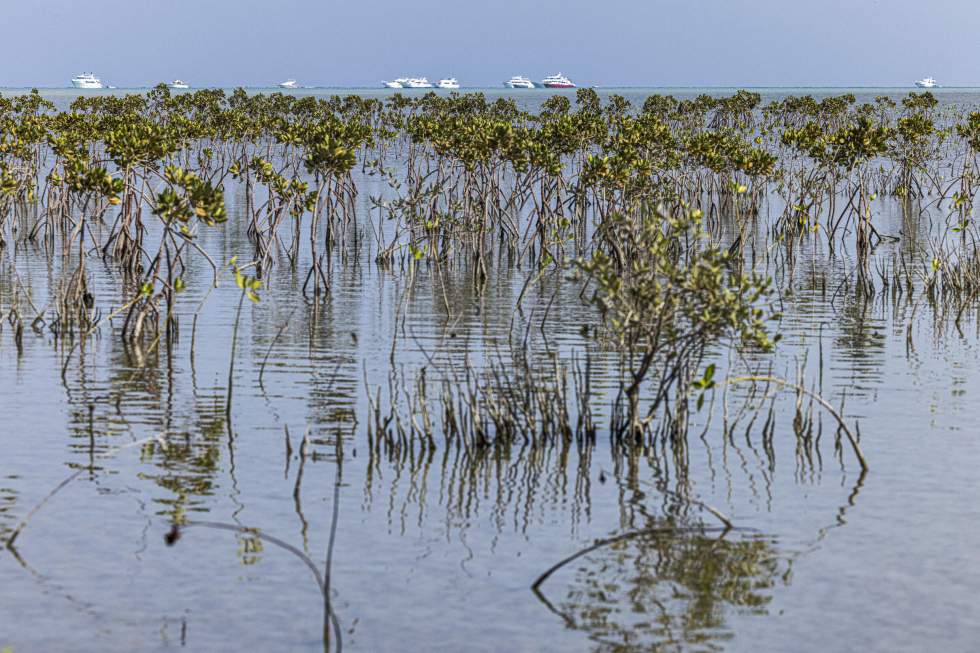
(394, 84)
(86, 80)
(289, 83)
(448, 83)
(416, 82)
(519, 81)
(927, 82)
(557, 81)
(178, 84)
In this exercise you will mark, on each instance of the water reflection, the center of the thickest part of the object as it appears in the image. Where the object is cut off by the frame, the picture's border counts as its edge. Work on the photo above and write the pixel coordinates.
(515, 486)
(189, 462)
(8, 505)
(666, 588)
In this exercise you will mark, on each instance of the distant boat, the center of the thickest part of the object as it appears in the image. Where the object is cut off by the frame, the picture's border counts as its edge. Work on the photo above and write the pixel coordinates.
(86, 80)
(519, 81)
(927, 82)
(178, 84)
(415, 82)
(557, 81)
(394, 84)
(289, 83)
(448, 83)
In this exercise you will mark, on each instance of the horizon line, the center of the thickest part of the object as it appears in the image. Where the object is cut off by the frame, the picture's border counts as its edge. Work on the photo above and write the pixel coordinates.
(501, 87)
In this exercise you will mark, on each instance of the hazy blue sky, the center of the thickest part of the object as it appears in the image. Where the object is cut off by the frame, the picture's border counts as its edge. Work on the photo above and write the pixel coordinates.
(605, 42)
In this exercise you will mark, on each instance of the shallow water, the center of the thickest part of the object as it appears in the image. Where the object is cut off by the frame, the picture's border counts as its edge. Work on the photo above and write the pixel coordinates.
(438, 549)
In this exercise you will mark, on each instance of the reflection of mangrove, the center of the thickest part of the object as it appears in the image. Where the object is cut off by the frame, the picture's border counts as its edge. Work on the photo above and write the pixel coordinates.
(186, 462)
(190, 462)
(509, 437)
(512, 484)
(667, 588)
(8, 503)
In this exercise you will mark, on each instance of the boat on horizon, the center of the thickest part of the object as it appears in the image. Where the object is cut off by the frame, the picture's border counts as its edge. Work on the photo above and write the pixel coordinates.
(178, 84)
(449, 83)
(289, 84)
(86, 80)
(393, 84)
(557, 81)
(926, 82)
(519, 81)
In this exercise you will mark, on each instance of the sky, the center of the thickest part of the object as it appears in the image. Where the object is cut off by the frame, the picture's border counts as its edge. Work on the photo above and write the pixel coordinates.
(227, 43)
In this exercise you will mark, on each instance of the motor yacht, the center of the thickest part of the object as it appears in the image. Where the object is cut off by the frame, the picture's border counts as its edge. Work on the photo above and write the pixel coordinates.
(448, 83)
(392, 84)
(289, 83)
(86, 80)
(178, 84)
(927, 82)
(416, 82)
(557, 81)
(519, 82)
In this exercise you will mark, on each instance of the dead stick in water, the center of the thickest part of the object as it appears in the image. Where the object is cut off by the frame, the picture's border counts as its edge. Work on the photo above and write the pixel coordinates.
(71, 477)
(174, 535)
(269, 351)
(820, 400)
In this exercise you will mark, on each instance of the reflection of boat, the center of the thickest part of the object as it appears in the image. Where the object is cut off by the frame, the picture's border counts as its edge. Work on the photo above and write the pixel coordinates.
(289, 83)
(86, 80)
(557, 81)
(927, 82)
(448, 83)
(178, 84)
(519, 81)
(416, 82)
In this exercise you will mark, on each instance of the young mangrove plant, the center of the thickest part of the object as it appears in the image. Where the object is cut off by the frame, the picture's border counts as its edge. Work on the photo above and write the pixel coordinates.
(666, 295)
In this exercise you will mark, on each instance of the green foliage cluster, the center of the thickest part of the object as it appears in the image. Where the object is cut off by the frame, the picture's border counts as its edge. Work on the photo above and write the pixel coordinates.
(188, 196)
(667, 294)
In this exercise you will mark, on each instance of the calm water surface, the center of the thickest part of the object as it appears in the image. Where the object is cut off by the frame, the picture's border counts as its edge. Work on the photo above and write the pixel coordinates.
(437, 549)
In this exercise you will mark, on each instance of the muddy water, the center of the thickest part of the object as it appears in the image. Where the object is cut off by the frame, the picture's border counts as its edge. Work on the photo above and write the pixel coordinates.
(437, 549)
